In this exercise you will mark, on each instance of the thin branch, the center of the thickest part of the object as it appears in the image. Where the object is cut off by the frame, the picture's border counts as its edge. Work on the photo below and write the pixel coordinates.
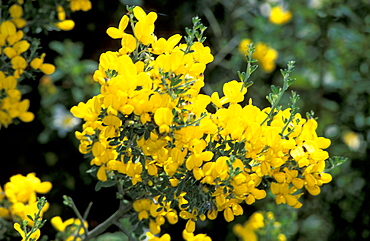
(130, 238)
(111, 220)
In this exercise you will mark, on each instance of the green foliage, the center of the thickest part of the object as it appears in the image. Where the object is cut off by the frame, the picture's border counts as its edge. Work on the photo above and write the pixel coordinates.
(71, 83)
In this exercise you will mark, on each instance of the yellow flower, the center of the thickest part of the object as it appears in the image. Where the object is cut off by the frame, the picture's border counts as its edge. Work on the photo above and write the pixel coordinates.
(164, 237)
(265, 55)
(58, 223)
(162, 45)
(77, 5)
(163, 118)
(279, 15)
(70, 226)
(23, 113)
(35, 235)
(228, 214)
(61, 13)
(18, 64)
(7, 28)
(247, 231)
(352, 140)
(19, 47)
(16, 13)
(23, 211)
(191, 237)
(66, 25)
(23, 188)
(119, 32)
(190, 226)
(144, 28)
(128, 43)
(234, 92)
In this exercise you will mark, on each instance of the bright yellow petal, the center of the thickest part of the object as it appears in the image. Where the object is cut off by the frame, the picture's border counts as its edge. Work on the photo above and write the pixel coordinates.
(43, 187)
(115, 33)
(47, 68)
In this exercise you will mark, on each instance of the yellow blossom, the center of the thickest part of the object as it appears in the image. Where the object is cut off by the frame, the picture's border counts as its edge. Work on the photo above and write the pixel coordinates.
(66, 25)
(34, 236)
(77, 5)
(279, 15)
(144, 28)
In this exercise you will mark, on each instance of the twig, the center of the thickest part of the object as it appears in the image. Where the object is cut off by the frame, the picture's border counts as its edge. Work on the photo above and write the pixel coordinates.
(107, 223)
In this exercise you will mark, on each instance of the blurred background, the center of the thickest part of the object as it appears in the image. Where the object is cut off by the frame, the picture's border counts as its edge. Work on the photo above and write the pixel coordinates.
(329, 41)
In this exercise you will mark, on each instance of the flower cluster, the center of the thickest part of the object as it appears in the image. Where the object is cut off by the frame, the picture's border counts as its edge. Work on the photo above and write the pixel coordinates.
(150, 132)
(265, 55)
(17, 55)
(74, 5)
(19, 202)
(259, 224)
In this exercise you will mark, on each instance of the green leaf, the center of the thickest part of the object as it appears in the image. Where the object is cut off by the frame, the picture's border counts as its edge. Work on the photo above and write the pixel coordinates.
(58, 47)
(108, 183)
(117, 236)
(334, 161)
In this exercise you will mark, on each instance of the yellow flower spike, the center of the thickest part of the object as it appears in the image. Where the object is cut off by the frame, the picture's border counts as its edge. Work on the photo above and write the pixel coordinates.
(279, 15)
